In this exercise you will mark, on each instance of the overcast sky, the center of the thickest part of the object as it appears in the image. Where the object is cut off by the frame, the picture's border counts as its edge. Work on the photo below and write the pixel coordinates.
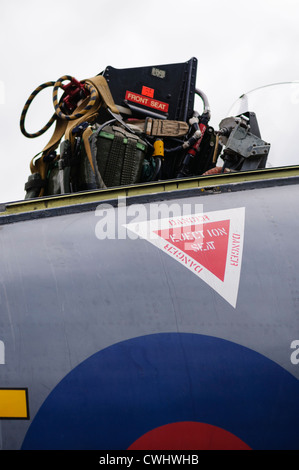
(239, 46)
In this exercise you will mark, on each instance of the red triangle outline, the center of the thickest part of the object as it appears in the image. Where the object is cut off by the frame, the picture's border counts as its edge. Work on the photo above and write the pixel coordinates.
(226, 283)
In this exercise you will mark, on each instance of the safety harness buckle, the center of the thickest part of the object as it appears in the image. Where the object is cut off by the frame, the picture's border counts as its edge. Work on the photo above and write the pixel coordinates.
(75, 91)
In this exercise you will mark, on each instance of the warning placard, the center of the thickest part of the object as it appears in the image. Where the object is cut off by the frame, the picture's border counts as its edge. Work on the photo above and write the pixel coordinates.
(209, 244)
(147, 101)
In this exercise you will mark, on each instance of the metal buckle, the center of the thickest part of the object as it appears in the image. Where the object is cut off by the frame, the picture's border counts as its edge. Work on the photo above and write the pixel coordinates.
(75, 91)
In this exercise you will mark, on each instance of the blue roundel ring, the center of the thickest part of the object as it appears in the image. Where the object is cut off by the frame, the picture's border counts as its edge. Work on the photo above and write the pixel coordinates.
(130, 388)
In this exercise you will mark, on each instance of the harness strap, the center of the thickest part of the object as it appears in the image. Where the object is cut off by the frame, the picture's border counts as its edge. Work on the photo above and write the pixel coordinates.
(100, 83)
(100, 95)
(39, 165)
(60, 128)
(85, 137)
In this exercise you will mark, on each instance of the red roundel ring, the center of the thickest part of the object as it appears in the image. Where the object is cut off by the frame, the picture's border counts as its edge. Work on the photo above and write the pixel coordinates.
(188, 436)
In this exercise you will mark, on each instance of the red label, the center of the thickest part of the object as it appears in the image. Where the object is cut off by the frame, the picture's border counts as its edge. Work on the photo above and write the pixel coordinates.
(207, 245)
(146, 101)
(146, 91)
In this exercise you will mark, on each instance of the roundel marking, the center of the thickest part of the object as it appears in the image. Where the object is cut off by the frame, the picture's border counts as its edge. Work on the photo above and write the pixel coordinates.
(137, 386)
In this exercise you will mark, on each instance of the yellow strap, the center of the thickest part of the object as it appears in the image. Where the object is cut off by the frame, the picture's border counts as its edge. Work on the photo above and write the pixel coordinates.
(39, 165)
(90, 116)
(103, 97)
(64, 127)
(100, 83)
(85, 136)
(60, 128)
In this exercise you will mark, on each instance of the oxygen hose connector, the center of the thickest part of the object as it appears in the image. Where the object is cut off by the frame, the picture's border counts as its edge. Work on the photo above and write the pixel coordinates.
(192, 140)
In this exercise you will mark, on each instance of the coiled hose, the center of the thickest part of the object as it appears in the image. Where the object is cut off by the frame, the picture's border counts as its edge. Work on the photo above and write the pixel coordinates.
(57, 105)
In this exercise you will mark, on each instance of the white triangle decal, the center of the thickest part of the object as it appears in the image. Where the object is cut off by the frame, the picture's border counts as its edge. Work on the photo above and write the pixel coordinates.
(209, 244)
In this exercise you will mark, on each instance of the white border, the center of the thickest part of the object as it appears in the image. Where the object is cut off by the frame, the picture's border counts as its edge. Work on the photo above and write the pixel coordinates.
(228, 289)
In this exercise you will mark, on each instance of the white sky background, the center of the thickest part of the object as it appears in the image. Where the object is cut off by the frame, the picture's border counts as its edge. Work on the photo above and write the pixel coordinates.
(239, 46)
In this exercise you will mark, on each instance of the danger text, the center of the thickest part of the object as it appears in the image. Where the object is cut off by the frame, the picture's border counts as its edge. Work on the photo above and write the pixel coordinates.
(235, 252)
(181, 256)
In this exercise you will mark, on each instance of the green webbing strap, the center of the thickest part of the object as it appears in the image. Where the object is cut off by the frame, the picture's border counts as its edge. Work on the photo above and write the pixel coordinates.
(129, 163)
(112, 171)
